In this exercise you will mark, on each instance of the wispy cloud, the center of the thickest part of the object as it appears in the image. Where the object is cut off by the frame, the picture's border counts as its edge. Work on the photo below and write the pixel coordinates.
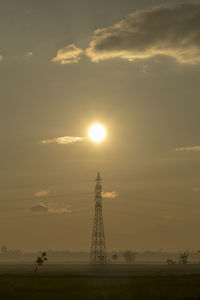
(172, 30)
(41, 193)
(58, 210)
(112, 194)
(65, 140)
(192, 148)
(168, 217)
(49, 208)
(29, 54)
(67, 55)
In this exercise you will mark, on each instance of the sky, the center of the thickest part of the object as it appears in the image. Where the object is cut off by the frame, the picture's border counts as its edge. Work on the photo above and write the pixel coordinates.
(134, 67)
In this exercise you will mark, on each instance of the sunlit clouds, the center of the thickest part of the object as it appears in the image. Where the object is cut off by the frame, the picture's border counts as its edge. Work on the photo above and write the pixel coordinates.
(41, 194)
(172, 30)
(67, 55)
(96, 133)
(44, 207)
(29, 54)
(49, 208)
(58, 210)
(112, 194)
(188, 149)
(65, 140)
(196, 190)
(138, 36)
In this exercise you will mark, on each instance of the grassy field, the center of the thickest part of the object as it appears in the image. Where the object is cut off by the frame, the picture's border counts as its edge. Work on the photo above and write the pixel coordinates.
(110, 283)
(100, 288)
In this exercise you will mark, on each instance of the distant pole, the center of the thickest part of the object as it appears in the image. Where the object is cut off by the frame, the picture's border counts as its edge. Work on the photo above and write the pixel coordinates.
(98, 246)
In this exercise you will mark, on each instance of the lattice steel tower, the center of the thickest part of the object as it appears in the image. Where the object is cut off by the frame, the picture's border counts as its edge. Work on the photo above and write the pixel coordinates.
(98, 247)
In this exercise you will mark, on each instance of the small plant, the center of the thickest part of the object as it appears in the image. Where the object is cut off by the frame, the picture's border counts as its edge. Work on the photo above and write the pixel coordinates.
(40, 261)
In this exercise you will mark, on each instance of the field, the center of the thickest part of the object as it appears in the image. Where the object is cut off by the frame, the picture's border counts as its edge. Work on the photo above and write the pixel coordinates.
(137, 282)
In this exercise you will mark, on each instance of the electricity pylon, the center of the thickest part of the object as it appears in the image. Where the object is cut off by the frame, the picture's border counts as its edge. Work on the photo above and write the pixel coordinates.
(98, 247)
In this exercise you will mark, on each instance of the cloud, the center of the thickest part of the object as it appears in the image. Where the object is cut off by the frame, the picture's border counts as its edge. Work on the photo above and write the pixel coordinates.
(29, 54)
(1, 57)
(192, 148)
(41, 193)
(49, 208)
(67, 55)
(168, 217)
(196, 189)
(39, 208)
(56, 210)
(112, 194)
(172, 30)
(65, 140)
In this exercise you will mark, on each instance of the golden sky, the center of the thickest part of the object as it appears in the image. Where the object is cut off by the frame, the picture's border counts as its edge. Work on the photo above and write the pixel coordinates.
(132, 66)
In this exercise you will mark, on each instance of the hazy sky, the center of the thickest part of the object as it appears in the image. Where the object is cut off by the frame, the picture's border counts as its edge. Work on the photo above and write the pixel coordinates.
(133, 66)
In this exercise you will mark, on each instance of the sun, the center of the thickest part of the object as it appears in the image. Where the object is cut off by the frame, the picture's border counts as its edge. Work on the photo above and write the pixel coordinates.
(97, 133)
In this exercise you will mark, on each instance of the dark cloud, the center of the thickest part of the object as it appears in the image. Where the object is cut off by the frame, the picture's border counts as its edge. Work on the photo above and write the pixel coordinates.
(39, 208)
(49, 208)
(172, 30)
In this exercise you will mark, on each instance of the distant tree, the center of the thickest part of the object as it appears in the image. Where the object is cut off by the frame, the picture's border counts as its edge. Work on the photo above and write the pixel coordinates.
(114, 257)
(4, 250)
(183, 258)
(40, 261)
(199, 256)
(171, 262)
(129, 256)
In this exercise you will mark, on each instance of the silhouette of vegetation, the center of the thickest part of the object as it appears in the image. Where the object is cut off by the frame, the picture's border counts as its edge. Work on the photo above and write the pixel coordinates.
(15, 255)
(129, 256)
(171, 262)
(4, 250)
(114, 257)
(199, 255)
(40, 261)
(183, 258)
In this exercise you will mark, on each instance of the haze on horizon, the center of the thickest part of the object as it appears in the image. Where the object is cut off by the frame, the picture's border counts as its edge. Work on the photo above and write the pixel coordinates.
(132, 66)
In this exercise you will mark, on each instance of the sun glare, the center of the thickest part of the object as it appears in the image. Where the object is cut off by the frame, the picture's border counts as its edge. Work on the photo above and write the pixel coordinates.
(97, 133)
